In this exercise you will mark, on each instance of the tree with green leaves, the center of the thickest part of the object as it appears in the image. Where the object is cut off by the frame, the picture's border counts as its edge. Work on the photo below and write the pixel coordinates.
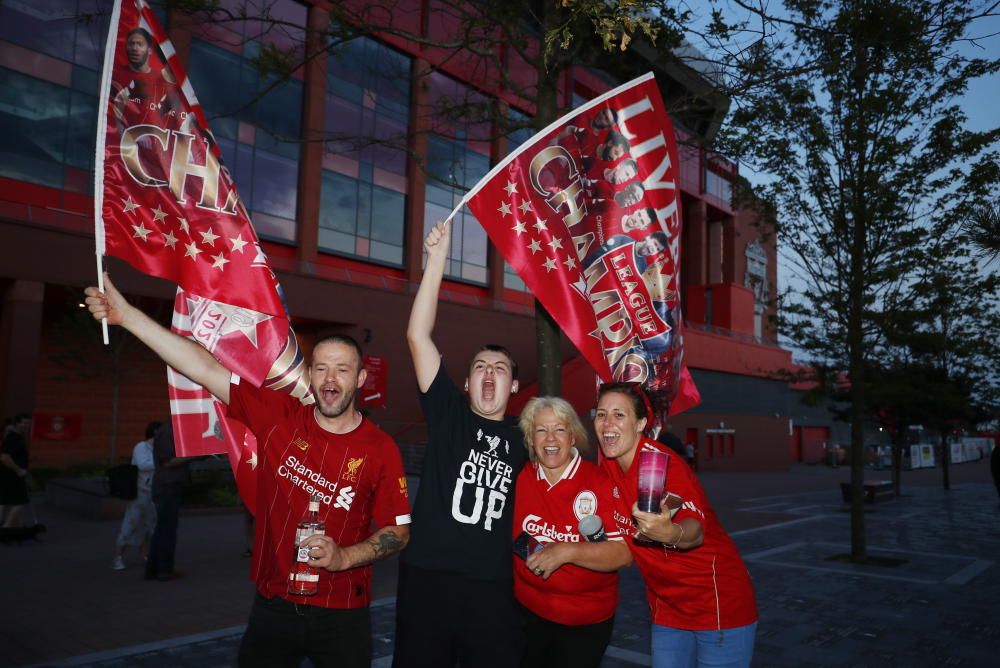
(870, 159)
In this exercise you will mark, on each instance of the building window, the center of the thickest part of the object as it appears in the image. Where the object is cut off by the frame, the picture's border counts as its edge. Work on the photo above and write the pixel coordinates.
(363, 199)
(257, 122)
(48, 102)
(718, 185)
(458, 156)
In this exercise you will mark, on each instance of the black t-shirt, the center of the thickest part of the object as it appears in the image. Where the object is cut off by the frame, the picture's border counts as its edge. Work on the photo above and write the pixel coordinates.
(465, 504)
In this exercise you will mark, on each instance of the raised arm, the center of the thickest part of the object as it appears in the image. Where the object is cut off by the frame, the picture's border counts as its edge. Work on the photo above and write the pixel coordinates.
(182, 354)
(426, 358)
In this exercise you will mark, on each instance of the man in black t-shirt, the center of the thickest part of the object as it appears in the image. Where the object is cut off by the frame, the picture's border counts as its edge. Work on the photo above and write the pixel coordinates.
(455, 601)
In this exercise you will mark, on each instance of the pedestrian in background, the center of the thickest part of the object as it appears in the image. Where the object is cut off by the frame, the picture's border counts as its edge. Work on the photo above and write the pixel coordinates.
(14, 471)
(139, 520)
(169, 477)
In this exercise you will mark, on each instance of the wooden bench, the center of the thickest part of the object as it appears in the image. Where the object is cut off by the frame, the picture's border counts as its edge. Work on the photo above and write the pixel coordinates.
(874, 490)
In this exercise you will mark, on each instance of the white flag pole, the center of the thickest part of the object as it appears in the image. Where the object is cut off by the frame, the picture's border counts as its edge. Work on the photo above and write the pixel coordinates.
(457, 209)
(102, 129)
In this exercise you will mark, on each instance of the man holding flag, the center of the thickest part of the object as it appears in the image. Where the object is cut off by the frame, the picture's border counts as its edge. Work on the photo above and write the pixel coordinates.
(328, 449)
(166, 204)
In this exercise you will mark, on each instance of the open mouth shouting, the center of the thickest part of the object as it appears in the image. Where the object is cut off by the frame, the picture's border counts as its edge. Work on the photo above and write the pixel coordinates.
(329, 394)
(489, 389)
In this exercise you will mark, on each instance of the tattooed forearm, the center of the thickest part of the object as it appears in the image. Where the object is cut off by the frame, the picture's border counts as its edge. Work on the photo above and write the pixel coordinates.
(385, 544)
(387, 541)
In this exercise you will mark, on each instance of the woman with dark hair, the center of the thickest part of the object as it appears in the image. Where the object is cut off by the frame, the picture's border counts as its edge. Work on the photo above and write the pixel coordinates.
(567, 584)
(700, 597)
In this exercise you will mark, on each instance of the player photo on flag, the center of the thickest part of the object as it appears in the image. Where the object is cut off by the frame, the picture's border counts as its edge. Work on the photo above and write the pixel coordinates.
(587, 213)
(167, 205)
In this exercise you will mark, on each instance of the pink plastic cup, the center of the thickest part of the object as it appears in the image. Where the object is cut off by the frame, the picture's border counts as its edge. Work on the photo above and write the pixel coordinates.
(652, 479)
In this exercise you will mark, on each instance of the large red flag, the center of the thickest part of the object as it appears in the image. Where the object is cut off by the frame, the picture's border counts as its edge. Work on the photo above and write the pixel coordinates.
(588, 214)
(166, 204)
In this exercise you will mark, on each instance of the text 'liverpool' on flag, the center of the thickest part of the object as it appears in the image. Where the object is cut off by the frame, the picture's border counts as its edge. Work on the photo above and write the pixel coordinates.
(587, 212)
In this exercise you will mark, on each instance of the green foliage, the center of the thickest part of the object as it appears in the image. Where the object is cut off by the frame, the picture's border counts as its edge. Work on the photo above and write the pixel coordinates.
(983, 230)
(615, 23)
(869, 153)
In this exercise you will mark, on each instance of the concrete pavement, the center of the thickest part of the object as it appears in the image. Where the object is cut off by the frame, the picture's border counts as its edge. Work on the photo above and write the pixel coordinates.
(64, 606)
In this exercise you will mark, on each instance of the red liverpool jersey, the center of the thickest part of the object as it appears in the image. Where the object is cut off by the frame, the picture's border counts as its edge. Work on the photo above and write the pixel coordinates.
(359, 477)
(704, 588)
(551, 513)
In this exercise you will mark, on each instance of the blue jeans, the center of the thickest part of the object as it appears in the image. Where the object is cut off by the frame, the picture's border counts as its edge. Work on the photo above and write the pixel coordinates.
(728, 648)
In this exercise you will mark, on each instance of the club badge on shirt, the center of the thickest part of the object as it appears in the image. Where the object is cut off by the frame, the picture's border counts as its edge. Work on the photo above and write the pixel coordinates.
(584, 504)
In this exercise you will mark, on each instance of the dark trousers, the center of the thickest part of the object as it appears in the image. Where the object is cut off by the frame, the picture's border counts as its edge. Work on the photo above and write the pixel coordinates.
(280, 634)
(552, 645)
(445, 619)
(163, 544)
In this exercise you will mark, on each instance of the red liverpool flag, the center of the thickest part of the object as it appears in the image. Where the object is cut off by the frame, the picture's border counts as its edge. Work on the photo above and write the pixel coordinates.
(165, 203)
(588, 214)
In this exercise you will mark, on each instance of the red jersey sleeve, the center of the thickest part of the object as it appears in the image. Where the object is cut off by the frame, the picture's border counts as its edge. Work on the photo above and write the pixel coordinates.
(392, 499)
(682, 481)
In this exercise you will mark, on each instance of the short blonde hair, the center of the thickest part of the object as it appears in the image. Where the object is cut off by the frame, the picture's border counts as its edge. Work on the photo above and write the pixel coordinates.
(564, 411)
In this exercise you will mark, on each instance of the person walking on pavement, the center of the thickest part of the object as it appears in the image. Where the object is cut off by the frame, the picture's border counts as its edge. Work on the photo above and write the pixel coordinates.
(139, 520)
(455, 601)
(170, 476)
(327, 449)
(14, 471)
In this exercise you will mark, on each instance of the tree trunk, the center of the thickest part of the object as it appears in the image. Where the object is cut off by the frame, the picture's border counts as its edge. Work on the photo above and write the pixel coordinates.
(549, 350)
(897, 464)
(115, 396)
(549, 358)
(945, 460)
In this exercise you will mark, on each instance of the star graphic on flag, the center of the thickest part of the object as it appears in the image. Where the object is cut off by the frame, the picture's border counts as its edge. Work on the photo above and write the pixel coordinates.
(550, 264)
(159, 215)
(238, 243)
(208, 238)
(183, 223)
(170, 240)
(535, 246)
(192, 251)
(555, 243)
(253, 461)
(511, 188)
(569, 262)
(525, 206)
(504, 208)
(540, 225)
(130, 206)
(518, 227)
(140, 231)
(220, 261)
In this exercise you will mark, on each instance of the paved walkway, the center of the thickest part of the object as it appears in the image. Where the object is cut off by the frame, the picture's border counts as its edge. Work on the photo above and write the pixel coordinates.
(64, 606)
